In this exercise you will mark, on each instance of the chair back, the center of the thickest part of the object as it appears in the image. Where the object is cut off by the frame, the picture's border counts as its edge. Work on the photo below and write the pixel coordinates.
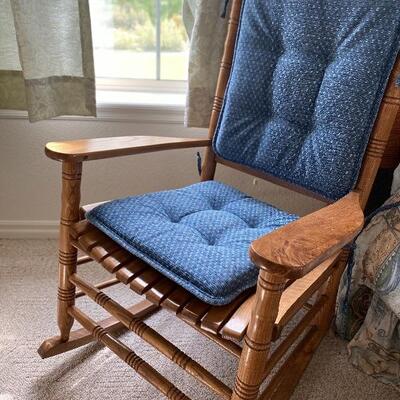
(300, 89)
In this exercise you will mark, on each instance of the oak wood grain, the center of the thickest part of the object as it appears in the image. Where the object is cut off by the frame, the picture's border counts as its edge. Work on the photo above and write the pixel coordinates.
(296, 295)
(294, 334)
(258, 338)
(293, 298)
(218, 316)
(128, 356)
(152, 337)
(209, 165)
(101, 285)
(229, 321)
(99, 148)
(296, 248)
(67, 253)
(54, 346)
(384, 131)
(391, 157)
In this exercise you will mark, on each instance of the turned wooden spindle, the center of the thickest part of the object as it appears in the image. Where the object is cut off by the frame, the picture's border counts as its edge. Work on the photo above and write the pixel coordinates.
(257, 342)
(209, 165)
(70, 198)
(137, 326)
(128, 356)
(391, 157)
(325, 316)
(384, 127)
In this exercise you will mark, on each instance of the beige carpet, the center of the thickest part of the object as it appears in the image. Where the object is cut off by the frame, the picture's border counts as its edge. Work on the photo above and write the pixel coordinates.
(27, 315)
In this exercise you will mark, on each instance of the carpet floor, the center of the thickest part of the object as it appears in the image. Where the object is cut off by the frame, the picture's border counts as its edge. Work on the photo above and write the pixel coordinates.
(28, 277)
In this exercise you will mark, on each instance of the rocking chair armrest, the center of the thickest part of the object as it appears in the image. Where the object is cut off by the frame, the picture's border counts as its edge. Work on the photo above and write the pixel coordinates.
(295, 249)
(95, 149)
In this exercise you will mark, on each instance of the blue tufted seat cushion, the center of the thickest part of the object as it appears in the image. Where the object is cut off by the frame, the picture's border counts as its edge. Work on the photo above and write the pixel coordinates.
(306, 83)
(198, 236)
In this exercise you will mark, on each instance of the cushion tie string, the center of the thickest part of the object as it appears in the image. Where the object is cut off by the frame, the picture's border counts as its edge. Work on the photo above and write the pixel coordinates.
(199, 163)
(224, 9)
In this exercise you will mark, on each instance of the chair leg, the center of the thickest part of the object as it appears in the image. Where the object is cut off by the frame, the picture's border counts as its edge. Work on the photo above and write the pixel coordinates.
(70, 199)
(53, 346)
(257, 341)
(286, 378)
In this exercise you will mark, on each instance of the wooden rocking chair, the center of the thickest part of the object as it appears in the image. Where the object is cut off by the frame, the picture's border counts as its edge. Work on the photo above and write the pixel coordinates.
(300, 264)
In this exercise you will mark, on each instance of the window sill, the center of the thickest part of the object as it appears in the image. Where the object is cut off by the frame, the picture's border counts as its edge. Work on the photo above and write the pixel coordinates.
(142, 107)
(127, 106)
(106, 98)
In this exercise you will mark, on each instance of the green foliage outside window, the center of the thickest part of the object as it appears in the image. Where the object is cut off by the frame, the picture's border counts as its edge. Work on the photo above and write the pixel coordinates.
(134, 24)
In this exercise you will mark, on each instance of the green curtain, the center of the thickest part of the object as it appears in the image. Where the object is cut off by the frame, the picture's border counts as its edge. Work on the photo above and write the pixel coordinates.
(46, 58)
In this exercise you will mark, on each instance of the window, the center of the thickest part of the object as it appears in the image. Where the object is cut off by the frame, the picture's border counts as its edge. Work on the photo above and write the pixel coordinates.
(139, 44)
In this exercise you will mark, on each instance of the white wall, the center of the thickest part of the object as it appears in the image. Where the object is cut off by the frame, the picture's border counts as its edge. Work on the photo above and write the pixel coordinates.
(30, 182)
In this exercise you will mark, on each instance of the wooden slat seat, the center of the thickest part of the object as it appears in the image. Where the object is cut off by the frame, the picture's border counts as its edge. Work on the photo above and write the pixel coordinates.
(177, 299)
(228, 321)
(131, 270)
(160, 291)
(293, 299)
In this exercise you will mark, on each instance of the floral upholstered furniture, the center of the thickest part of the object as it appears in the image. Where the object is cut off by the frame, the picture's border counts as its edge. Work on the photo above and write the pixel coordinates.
(368, 311)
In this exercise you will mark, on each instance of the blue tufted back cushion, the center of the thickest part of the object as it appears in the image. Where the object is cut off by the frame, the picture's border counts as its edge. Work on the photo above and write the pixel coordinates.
(307, 80)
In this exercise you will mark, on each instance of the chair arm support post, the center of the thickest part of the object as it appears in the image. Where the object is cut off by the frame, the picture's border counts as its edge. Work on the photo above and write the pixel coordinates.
(295, 249)
(70, 199)
(289, 253)
(257, 341)
(324, 319)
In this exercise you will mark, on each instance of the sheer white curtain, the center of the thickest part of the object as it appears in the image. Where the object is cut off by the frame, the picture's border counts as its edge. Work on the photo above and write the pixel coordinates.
(46, 58)
(207, 30)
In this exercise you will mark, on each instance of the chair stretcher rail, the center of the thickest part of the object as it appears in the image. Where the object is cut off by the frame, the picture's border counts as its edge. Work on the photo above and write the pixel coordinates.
(152, 337)
(80, 337)
(84, 260)
(127, 355)
(294, 334)
(101, 285)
